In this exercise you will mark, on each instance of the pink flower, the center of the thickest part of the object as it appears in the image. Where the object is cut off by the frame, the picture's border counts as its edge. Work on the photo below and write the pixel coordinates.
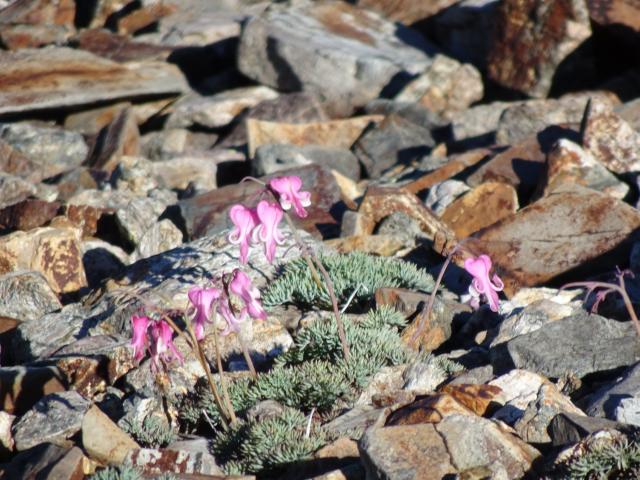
(161, 346)
(480, 268)
(288, 190)
(139, 339)
(269, 215)
(250, 295)
(244, 219)
(202, 298)
(233, 322)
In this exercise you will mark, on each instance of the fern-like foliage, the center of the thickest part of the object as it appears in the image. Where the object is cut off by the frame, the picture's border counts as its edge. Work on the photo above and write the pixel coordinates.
(352, 272)
(152, 433)
(267, 445)
(117, 473)
(614, 460)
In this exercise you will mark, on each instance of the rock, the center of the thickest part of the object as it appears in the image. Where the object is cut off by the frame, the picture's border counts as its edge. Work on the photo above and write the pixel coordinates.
(27, 386)
(271, 158)
(161, 236)
(445, 87)
(393, 141)
(36, 462)
(103, 440)
(45, 74)
(537, 243)
(26, 296)
(386, 383)
(6, 438)
(519, 388)
(610, 139)
(120, 137)
(548, 350)
(430, 409)
(442, 194)
(484, 205)
(16, 163)
(119, 48)
(411, 111)
(618, 12)
(618, 400)
(14, 189)
(138, 217)
(143, 17)
(36, 12)
(53, 252)
(477, 125)
(405, 11)
(401, 226)
(334, 133)
(457, 443)
(533, 425)
(358, 419)
(158, 461)
(218, 110)
(385, 245)
(27, 214)
(181, 172)
(361, 52)
(71, 466)
(566, 428)
(15, 37)
(55, 418)
(207, 213)
(569, 163)
(533, 38)
(525, 119)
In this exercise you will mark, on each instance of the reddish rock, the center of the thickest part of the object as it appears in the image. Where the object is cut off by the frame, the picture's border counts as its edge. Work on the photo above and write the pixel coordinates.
(120, 137)
(208, 213)
(14, 37)
(485, 205)
(533, 37)
(119, 48)
(431, 409)
(27, 214)
(555, 234)
(144, 17)
(16, 163)
(70, 466)
(39, 12)
(85, 217)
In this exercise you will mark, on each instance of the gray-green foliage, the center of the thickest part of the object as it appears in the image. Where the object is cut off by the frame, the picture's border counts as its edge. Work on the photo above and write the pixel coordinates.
(348, 272)
(126, 472)
(616, 460)
(266, 445)
(153, 432)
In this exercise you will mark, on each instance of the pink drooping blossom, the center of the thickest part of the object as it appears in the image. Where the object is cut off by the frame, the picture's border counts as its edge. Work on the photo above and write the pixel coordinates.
(481, 285)
(269, 214)
(202, 298)
(289, 194)
(233, 320)
(244, 220)
(250, 295)
(139, 338)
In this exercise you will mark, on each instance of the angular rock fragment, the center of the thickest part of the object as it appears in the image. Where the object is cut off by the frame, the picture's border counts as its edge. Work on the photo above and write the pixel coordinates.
(15, 37)
(566, 428)
(533, 38)
(120, 137)
(538, 243)
(405, 11)
(160, 237)
(26, 296)
(618, 400)
(21, 387)
(103, 440)
(14, 189)
(360, 52)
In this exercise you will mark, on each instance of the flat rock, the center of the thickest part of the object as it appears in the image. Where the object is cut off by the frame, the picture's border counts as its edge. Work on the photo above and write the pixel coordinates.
(119, 48)
(161, 236)
(103, 440)
(180, 172)
(333, 133)
(533, 39)
(548, 350)
(446, 87)
(158, 461)
(538, 243)
(393, 141)
(518, 389)
(60, 77)
(484, 205)
(567, 428)
(618, 400)
(15, 37)
(27, 214)
(118, 138)
(479, 123)
(568, 163)
(51, 251)
(138, 217)
(35, 12)
(271, 158)
(53, 419)
(26, 296)
(405, 11)
(361, 52)
(611, 139)
(217, 110)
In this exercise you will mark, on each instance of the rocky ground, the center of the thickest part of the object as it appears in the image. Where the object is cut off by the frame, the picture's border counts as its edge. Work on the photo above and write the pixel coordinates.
(422, 129)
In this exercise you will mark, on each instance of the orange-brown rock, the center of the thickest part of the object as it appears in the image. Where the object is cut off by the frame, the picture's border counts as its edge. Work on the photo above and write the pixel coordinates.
(485, 205)
(431, 409)
(120, 137)
(39, 12)
(477, 398)
(144, 17)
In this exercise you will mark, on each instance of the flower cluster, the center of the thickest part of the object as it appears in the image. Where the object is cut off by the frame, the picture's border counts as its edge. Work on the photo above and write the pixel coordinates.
(482, 286)
(234, 301)
(260, 224)
(154, 336)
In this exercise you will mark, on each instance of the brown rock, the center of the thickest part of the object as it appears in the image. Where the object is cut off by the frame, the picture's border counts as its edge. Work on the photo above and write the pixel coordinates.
(90, 122)
(555, 234)
(610, 139)
(406, 11)
(119, 48)
(27, 214)
(39, 12)
(14, 37)
(85, 217)
(615, 12)
(334, 133)
(69, 467)
(54, 77)
(120, 137)
(477, 398)
(54, 252)
(22, 387)
(208, 212)
(16, 163)
(144, 17)
(431, 409)
(485, 205)
(533, 37)
(103, 440)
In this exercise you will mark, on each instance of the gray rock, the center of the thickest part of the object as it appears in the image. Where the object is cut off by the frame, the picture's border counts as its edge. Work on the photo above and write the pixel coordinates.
(401, 225)
(53, 419)
(442, 194)
(356, 420)
(102, 260)
(158, 461)
(568, 428)
(160, 237)
(478, 124)
(393, 141)
(26, 296)
(14, 189)
(138, 217)
(603, 344)
(134, 174)
(272, 158)
(55, 150)
(618, 400)
(197, 170)
(345, 54)
(414, 112)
